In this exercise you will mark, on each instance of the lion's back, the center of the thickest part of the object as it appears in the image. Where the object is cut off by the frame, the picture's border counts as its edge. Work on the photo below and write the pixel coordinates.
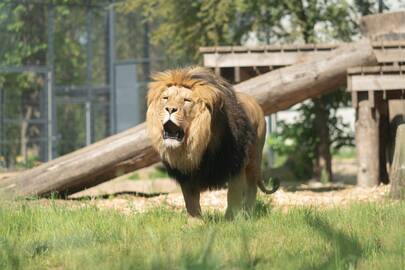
(254, 113)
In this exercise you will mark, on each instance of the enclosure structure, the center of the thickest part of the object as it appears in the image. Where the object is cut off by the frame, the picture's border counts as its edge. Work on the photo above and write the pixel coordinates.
(371, 88)
(378, 95)
(239, 63)
(84, 81)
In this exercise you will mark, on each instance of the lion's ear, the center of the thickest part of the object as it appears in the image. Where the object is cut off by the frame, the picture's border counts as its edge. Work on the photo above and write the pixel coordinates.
(211, 97)
(155, 88)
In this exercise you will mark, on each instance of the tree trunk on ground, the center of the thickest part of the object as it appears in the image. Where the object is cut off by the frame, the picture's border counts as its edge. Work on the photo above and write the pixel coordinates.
(397, 174)
(323, 162)
(131, 149)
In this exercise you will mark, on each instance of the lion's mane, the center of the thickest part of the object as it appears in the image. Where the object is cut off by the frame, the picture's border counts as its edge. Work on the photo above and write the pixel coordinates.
(217, 142)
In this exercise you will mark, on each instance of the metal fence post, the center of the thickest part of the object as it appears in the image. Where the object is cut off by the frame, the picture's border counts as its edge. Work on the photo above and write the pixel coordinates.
(111, 67)
(89, 77)
(1, 123)
(51, 104)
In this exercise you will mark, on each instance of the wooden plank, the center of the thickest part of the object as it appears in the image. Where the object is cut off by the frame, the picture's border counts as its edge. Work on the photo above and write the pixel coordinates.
(377, 82)
(260, 59)
(284, 55)
(383, 25)
(394, 69)
(388, 44)
(270, 48)
(390, 55)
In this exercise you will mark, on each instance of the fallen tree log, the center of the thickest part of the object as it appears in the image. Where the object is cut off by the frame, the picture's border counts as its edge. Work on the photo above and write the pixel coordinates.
(86, 167)
(131, 149)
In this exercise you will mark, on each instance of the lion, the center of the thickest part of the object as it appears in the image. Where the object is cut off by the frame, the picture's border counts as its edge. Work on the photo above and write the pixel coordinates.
(208, 136)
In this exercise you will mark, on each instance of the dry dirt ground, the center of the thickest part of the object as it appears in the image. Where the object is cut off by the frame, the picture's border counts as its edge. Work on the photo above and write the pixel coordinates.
(128, 196)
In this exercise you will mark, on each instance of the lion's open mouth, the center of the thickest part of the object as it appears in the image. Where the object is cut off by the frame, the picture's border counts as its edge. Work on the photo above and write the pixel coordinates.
(172, 131)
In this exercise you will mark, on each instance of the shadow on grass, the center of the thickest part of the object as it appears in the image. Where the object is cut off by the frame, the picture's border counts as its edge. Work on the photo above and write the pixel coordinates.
(313, 189)
(262, 209)
(346, 248)
(112, 195)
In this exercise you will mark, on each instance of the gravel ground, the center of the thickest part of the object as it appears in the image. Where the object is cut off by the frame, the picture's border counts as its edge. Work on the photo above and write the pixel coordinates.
(314, 194)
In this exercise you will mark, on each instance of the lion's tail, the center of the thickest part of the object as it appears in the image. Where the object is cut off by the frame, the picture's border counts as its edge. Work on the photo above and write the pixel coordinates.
(275, 184)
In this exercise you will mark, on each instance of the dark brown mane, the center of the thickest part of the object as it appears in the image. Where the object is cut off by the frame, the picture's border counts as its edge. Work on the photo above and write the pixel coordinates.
(232, 136)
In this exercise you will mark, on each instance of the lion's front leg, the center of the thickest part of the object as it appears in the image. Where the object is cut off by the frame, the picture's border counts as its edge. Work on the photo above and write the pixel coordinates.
(236, 195)
(191, 197)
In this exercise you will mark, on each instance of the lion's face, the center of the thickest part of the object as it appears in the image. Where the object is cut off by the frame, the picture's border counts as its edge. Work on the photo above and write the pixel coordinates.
(176, 112)
(179, 116)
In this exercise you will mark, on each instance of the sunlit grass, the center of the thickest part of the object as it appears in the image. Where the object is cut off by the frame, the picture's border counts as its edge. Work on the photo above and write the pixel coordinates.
(363, 236)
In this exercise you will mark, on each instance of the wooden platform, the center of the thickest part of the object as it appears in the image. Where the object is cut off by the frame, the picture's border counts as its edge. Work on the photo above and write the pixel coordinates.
(239, 63)
(382, 82)
(373, 88)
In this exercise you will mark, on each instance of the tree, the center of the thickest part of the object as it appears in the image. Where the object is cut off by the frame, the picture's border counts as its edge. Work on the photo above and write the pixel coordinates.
(316, 21)
(183, 26)
(23, 43)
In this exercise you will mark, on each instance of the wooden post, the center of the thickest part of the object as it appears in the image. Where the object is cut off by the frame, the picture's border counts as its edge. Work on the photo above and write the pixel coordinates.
(397, 174)
(367, 143)
(384, 139)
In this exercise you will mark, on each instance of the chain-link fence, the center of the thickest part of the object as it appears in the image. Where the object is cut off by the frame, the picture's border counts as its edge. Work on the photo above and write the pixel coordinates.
(71, 73)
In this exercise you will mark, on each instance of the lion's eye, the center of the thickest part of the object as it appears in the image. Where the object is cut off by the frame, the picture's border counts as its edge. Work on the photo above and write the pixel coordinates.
(187, 100)
(165, 98)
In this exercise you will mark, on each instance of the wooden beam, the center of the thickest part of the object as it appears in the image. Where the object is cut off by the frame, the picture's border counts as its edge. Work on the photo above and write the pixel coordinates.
(259, 59)
(383, 25)
(271, 48)
(377, 82)
(277, 55)
(390, 55)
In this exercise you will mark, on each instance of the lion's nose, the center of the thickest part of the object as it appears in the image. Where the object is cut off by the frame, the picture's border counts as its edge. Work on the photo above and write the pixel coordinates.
(170, 110)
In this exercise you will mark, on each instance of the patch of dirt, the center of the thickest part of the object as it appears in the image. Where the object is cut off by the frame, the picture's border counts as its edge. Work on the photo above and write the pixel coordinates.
(291, 194)
(319, 196)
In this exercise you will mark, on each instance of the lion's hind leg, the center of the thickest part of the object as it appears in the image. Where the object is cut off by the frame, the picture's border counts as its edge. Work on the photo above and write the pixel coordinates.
(236, 195)
(253, 175)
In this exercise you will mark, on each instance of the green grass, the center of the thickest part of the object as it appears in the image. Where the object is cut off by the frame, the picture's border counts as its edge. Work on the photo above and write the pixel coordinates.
(363, 236)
